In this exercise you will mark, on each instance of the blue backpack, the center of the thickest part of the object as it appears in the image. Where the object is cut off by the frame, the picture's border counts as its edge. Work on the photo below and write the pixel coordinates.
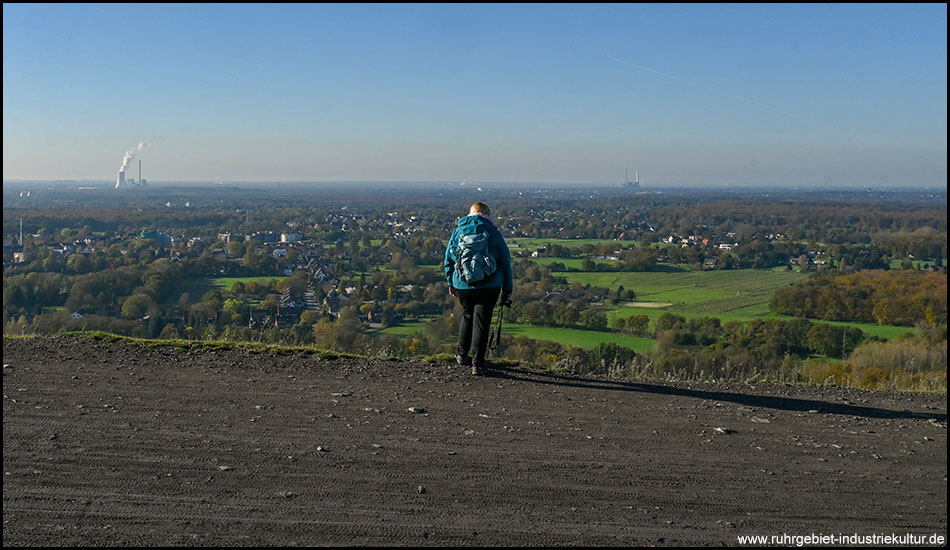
(474, 262)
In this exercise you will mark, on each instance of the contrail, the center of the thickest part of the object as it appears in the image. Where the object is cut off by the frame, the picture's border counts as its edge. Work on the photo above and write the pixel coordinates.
(697, 85)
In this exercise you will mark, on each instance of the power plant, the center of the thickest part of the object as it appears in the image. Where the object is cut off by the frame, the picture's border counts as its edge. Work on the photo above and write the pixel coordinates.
(627, 184)
(121, 182)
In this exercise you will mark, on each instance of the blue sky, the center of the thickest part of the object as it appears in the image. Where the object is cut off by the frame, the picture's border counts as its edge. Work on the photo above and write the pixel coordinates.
(711, 95)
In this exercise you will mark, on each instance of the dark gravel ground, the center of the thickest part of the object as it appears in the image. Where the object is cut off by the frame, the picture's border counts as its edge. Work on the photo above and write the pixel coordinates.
(115, 443)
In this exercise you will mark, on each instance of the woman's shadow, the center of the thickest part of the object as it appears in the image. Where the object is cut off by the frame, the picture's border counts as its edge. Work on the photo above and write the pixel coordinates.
(751, 400)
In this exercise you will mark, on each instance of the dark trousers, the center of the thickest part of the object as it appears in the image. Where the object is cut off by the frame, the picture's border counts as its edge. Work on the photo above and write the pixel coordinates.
(475, 327)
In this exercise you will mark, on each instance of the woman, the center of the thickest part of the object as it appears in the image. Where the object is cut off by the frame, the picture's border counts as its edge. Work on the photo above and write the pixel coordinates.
(478, 269)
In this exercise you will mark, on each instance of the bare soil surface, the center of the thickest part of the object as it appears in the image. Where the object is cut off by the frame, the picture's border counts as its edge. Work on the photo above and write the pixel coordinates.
(116, 443)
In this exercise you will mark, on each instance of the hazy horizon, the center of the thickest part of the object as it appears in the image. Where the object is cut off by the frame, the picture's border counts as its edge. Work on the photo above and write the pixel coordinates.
(473, 187)
(699, 96)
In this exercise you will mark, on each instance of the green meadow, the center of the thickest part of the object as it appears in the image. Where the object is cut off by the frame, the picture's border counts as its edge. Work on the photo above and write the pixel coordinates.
(577, 337)
(405, 328)
(532, 244)
(704, 292)
(228, 282)
(569, 263)
(198, 286)
(731, 295)
(897, 263)
(740, 295)
(744, 315)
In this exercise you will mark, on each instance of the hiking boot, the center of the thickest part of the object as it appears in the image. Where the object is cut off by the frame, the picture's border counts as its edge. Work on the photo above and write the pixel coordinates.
(478, 370)
(463, 360)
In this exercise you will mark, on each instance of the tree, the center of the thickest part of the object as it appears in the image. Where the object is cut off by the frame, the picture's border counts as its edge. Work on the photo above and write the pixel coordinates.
(566, 315)
(138, 306)
(640, 259)
(203, 312)
(78, 263)
(606, 355)
(636, 325)
(834, 341)
(236, 248)
(593, 319)
(297, 282)
(727, 260)
(170, 332)
(235, 312)
(669, 321)
(310, 318)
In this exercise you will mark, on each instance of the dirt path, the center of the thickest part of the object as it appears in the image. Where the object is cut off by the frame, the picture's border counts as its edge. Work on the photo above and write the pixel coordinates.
(118, 444)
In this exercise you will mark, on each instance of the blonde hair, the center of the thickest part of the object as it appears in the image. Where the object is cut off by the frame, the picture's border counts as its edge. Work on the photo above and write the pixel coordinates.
(479, 208)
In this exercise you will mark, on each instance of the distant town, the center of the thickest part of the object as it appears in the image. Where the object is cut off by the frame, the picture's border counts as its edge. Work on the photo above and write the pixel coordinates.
(638, 281)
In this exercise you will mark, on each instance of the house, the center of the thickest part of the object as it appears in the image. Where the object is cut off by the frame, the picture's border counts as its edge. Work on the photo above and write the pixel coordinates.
(160, 238)
(710, 263)
(263, 236)
(310, 300)
(64, 249)
(290, 302)
(291, 237)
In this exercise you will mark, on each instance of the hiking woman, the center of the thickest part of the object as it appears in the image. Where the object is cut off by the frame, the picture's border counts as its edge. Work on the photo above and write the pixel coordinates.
(478, 269)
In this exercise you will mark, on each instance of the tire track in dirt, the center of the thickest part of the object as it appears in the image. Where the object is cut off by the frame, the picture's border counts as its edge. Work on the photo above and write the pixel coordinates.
(116, 443)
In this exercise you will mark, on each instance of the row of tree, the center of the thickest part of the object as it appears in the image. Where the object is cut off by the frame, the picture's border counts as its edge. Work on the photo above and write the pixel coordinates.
(904, 297)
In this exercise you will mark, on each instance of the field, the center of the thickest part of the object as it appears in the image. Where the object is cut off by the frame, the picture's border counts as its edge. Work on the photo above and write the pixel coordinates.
(198, 286)
(738, 295)
(228, 282)
(897, 263)
(532, 244)
(730, 295)
(759, 311)
(570, 263)
(405, 327)
(707, 292)
(577, 337)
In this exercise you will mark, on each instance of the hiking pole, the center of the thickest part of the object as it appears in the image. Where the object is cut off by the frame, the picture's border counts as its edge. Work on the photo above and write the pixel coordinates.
(494, 338)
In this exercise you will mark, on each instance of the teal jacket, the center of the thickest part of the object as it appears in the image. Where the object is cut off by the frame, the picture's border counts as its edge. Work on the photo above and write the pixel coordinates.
(496, 247)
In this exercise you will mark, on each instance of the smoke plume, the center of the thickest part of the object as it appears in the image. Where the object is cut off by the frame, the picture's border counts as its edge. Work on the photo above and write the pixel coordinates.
(130, 154)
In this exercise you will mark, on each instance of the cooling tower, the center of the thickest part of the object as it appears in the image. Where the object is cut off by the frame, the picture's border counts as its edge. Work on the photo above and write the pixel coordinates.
(120, 179)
